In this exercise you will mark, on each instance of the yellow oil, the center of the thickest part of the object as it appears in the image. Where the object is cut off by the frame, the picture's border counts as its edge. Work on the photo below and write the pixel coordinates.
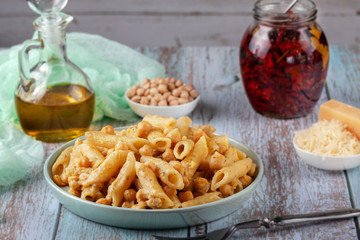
(63, 113)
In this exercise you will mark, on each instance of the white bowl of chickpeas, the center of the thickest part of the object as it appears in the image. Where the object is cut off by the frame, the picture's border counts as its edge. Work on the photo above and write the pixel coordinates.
(166, 97)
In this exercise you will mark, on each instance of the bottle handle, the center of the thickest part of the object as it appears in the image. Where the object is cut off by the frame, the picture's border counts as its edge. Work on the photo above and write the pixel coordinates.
(25, 80)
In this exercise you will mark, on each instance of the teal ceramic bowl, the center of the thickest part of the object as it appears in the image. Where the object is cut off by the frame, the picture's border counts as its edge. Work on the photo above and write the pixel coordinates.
(150, 218)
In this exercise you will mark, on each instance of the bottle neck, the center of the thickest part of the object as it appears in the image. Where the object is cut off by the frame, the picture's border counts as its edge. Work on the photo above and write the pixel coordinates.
(54, 45)
(273, 12)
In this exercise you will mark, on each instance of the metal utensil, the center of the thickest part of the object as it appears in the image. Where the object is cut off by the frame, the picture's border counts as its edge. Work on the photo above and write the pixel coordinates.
(292, 4)
(225, 233)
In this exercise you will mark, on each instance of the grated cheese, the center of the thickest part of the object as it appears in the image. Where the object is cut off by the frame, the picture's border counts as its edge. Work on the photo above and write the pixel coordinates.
(328, 138)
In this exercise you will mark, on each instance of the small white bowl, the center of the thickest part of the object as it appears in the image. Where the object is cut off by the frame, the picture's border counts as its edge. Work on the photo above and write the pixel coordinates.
(163, 111)
(327, 162)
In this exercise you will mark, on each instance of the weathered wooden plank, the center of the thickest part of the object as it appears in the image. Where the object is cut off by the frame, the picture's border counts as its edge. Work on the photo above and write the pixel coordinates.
(344, 85)
(28, 209)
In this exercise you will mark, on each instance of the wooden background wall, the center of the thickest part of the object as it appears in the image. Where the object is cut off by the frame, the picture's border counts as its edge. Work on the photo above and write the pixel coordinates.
(173, 22)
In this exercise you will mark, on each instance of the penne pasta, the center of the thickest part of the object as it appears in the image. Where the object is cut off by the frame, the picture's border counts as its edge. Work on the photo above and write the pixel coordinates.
(160, 122)
(192, 161)
(103, 139)
(205, 198)
(158, 163)
(151, 189)
(183, 148)
(108, 168)
(159, 141)
(233, 171)
(123, 181)
(165, 172)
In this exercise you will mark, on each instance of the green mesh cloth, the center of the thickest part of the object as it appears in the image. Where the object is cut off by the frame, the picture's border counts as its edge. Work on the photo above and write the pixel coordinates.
(111, 67)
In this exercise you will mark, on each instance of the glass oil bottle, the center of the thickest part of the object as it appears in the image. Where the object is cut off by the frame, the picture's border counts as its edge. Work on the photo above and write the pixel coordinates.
(54, 100)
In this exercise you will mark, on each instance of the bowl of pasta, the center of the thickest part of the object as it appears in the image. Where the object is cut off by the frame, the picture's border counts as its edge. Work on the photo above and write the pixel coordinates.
(161, 173)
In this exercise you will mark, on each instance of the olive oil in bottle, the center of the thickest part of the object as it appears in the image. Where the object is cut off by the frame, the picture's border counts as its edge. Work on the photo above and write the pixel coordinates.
(54, 100)
(63, 113)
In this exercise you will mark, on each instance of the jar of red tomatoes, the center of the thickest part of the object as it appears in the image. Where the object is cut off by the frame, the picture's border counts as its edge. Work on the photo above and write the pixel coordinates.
(284, 58)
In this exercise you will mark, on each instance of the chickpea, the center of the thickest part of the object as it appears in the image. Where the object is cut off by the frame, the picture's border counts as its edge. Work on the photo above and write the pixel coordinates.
(136, 87)
(176, 92)
(144, 100)
(178, 83)
(194, 93)
(153, 91)
(162, 103)
(188, 87)
(166, 95)
(136, 99)
(174, 103)
(144, 128)
(131, 93)
(146, 150)
(186, 196)
(217, 161)
(158, 97)
(140, 92)
(183, 100)
(226, 190)
(184, 94)
(145, 81)
(171, 86)
(146, 85)
(130, 195)
(162, 88)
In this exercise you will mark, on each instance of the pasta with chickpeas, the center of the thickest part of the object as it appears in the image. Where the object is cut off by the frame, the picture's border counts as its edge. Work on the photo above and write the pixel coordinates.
(159, 163)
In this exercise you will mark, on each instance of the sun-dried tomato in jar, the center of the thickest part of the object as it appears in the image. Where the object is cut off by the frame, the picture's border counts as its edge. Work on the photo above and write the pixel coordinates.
(284, 59)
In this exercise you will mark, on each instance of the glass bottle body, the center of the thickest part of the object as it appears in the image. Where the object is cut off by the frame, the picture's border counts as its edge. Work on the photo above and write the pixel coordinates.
(284, 65)
(54, 100)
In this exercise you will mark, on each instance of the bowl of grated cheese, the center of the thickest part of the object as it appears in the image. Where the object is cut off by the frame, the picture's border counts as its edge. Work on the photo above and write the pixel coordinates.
(328, 145)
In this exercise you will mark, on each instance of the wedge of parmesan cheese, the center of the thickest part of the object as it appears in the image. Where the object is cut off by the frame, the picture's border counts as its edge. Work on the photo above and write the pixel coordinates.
(330, 138)
(348, 115)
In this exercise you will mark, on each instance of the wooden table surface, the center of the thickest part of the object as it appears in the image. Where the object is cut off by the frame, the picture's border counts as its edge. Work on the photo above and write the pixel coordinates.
(28, 210)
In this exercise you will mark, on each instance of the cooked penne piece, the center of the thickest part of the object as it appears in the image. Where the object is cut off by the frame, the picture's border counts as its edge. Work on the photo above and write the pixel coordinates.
(62, 161)
(206, 198)
(159, 141)
(192, 161)
(92, 193)
(230, 156)
(223, 142)
(167, 173)
(135, 144)
(151, 189)
(212, 146)
(233, 171)
(183, 124)
(183, 148)
(102, 139)
(123, 181)
(160, 122)
(92, 153)
(108, 168)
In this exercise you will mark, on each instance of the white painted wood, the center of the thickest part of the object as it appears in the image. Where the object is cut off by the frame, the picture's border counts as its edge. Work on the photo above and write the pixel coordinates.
(172, 22)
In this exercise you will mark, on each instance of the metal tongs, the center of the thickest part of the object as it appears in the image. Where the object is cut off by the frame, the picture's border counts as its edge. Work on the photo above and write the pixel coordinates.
(226, 233)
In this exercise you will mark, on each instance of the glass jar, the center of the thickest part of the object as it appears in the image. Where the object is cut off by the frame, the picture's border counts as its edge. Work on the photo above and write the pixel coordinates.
(284, 59)
(54, 99)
